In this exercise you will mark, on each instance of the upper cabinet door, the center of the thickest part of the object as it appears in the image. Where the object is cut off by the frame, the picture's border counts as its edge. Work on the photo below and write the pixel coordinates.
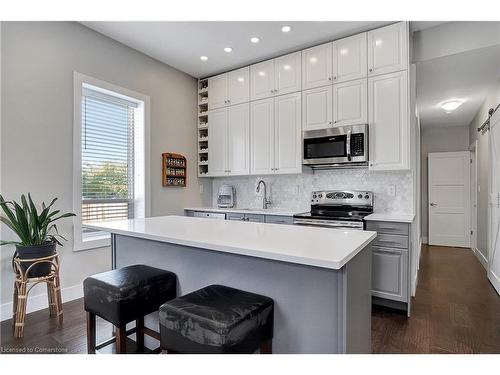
(218, 91)
(238, 86)
(262, 136)
(317, 66)
(262, 80)
(349, 58)
(217, 142)
(388, 49)
(350, 103)
(239, 139)
(288, 73)
(389, 121)
(288, 134)
(317, 108)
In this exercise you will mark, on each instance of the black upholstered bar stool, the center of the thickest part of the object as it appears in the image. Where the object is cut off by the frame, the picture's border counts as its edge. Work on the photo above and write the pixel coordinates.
(123, 295)
(217, 319)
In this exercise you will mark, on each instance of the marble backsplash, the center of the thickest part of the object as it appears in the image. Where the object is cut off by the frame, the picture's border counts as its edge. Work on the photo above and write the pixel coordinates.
(294, 191)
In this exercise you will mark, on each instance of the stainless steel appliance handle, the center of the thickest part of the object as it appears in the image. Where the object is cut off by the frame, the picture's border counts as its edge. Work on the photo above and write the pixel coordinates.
(348, 145)
(327, 223)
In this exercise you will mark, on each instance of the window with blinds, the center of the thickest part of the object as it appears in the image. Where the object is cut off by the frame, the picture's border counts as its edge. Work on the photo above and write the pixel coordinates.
(107, 159)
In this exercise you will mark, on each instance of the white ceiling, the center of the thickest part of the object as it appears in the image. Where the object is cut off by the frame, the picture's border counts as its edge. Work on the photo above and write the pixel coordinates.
(180, 44)
(469, 76)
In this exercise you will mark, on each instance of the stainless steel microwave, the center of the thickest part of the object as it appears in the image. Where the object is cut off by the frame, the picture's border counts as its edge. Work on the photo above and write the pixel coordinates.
(338, 147)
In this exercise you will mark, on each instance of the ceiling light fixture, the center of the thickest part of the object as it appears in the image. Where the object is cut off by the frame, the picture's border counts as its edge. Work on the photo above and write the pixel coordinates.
(451, 105)
(254, 39)
(203, 58)
(286, 29)
(228, 49)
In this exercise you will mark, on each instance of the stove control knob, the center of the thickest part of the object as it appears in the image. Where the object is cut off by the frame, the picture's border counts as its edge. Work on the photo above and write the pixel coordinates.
(320, 196)
(360, 196)
(314, 196)
(367, 196)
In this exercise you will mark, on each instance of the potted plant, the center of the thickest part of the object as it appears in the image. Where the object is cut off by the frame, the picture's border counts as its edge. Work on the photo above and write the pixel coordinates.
(38, 235)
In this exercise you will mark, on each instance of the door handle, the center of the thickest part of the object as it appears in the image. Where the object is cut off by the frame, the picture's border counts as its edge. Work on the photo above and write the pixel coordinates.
(433, 204)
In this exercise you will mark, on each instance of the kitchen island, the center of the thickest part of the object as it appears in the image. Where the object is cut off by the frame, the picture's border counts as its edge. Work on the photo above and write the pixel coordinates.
(319, 278)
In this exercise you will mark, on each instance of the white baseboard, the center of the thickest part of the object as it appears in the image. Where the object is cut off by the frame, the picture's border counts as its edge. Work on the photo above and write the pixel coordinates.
(425, 240)
(482, 259)
(39, 302)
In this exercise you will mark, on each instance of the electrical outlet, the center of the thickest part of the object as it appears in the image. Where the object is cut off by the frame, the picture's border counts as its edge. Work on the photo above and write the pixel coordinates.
(391, 190)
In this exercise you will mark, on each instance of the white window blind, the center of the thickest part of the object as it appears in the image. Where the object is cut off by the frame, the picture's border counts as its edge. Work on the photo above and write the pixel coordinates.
(107, 157)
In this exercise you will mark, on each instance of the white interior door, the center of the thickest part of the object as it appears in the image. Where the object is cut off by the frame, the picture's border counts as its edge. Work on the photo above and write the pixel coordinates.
(449, 196)
(494, 203)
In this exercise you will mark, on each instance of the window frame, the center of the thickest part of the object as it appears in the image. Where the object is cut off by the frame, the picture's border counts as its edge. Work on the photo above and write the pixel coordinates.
(79, 80)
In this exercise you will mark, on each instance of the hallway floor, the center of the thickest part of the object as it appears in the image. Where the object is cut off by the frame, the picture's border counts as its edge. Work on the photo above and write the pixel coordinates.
(455, 310)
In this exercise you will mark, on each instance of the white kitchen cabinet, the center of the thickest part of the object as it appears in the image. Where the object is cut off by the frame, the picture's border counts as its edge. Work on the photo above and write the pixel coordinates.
(218, 91)
(388, 49)
(228, 137)
(262, 136)
(238, 139)
(288, 134)
(238, 86)
(388, 118)
(317, 66)
(262, 80)
(350, 58)
(217, 142)
(350, 103)
(276, 135)
(288, 73)
(317, 108)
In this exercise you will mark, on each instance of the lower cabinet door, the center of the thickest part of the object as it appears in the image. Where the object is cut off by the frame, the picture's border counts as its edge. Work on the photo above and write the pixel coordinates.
(235, 216)
(254, 218)
(390, 273)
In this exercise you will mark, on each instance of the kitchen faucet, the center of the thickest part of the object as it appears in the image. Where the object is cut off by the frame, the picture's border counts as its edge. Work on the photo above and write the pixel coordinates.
(265, 201)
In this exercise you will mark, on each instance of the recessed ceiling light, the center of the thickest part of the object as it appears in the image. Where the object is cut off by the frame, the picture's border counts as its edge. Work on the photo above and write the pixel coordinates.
(286, 29)
(203, 58)
(254, 39)
(228, 49)
(451, 105)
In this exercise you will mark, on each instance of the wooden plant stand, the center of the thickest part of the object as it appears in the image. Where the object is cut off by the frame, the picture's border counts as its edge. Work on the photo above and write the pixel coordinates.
(21, 290)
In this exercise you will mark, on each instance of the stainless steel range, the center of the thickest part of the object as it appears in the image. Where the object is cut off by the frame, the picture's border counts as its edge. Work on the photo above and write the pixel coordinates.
(337, 209)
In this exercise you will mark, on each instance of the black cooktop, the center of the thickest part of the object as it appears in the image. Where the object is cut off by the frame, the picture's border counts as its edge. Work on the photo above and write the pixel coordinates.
(347, 213)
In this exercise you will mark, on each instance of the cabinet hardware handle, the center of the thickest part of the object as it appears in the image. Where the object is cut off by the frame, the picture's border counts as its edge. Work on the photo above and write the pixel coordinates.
(329, 78)
(433, 204)
(370, 70)
(330, 122)
(335, 77)
(229, 101)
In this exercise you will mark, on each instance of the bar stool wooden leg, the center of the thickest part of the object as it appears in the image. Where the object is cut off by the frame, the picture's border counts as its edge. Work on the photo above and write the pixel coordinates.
(121, 339)
(21, 310)
(14, 305)
(91, 338)
(139, 333)
(266, 347)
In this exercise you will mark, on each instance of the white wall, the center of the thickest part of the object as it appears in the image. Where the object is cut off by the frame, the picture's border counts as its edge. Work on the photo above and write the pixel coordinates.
(482, 154)
(38, 60)
(438, 139)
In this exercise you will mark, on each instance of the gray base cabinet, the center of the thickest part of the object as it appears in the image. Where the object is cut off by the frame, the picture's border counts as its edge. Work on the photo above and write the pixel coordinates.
(390, 264)
(255, 218)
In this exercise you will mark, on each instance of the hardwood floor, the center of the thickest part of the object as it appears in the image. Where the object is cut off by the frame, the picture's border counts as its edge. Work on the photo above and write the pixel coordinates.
(455, 310)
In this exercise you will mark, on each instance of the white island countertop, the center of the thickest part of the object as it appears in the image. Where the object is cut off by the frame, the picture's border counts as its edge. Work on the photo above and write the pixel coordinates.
(312, 246)
(262, 211)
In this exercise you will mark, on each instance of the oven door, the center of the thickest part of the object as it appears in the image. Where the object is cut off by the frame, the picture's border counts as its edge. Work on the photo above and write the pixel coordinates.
(339, 145)
(335, 224)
